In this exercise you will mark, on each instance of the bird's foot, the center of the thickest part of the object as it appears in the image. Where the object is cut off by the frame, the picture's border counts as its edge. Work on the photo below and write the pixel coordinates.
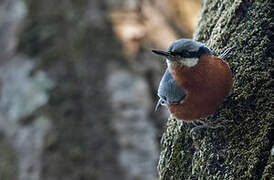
(192, 132)
(203, 126)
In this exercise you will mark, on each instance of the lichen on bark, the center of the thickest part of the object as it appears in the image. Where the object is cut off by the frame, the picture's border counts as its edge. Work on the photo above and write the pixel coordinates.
(240, 150)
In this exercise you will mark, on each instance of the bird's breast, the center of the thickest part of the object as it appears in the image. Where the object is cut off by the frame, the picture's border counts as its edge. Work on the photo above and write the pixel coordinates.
(206, 86)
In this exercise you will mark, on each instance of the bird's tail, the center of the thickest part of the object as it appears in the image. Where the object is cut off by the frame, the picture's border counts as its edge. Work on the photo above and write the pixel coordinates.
(224, 54)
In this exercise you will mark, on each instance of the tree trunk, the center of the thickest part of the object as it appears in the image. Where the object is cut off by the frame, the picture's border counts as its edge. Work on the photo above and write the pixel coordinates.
(241, 148)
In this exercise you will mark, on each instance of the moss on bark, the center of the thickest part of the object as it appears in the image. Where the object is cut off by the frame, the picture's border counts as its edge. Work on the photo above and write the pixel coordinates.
(242, 149)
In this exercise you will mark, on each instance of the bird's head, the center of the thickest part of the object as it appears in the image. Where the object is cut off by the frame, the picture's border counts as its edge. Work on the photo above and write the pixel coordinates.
(184, 52)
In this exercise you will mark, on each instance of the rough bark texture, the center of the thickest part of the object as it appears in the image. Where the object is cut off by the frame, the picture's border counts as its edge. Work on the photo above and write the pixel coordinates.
(242, 148)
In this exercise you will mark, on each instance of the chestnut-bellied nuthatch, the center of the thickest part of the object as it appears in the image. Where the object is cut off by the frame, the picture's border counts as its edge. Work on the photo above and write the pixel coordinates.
(195, 82)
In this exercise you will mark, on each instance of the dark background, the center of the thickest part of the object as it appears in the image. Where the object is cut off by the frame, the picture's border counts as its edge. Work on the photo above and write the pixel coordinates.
(78, 86)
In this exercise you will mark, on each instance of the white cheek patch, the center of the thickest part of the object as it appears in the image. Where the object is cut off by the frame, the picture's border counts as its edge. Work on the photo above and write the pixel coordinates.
(189, 62)
(169, 63)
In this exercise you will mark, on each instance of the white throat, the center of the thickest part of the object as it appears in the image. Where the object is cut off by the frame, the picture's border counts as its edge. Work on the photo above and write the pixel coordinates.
(188, 62)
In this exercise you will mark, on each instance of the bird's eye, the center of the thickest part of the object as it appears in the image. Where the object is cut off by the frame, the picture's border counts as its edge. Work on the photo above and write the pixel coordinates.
(163, 103)
(186, 53)
(173, 53)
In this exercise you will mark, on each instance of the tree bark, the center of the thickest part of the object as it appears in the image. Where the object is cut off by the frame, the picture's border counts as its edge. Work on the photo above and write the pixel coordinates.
(241, 148)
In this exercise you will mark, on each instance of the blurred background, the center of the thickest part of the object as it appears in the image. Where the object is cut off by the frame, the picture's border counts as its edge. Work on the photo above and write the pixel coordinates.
(78, 86)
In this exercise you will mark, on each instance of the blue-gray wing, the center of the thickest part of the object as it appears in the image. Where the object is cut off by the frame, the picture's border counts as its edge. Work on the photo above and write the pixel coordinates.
(168, 91)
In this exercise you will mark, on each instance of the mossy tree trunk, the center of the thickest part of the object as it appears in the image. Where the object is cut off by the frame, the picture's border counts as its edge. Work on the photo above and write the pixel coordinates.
(242, 149)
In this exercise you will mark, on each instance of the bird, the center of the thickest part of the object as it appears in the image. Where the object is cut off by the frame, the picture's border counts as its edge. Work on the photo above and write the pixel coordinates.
(169, 92)
(196, 81)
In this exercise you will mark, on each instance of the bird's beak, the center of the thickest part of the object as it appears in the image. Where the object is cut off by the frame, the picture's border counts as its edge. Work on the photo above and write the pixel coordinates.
(165, 54)
(162, 53)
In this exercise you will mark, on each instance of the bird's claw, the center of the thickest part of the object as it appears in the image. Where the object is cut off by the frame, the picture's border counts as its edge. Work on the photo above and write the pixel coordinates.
(195, 129)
